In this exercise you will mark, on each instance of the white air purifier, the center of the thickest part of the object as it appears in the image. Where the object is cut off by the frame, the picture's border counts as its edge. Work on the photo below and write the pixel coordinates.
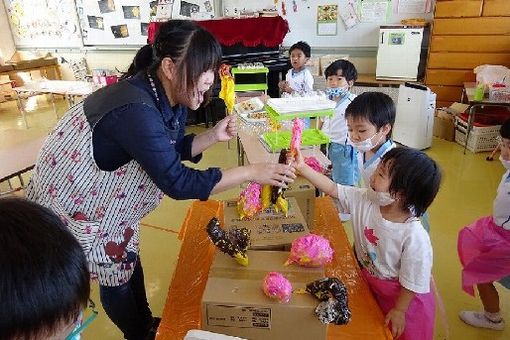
(414, 120)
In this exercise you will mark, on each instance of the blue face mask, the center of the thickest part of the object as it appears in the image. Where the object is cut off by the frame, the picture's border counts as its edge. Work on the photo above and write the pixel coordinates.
(333, 92)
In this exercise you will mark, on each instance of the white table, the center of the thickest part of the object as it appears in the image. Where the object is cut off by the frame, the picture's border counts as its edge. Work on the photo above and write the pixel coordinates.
(68, 88)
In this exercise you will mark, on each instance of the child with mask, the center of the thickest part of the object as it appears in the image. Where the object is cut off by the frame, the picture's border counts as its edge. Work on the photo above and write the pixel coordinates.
(370, 118)
(391, 246)
(340, 77)
(484, 250)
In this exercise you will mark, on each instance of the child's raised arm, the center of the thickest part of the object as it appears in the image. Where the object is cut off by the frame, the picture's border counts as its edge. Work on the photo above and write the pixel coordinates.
(317, 179)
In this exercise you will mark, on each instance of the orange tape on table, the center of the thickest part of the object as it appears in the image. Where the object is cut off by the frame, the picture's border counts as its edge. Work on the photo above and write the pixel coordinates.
(182, 307)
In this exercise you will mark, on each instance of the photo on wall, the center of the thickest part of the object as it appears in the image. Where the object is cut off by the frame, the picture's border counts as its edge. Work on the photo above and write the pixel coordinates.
(120, 31)
(144, 29)
(154, 7)
(131, 12)
(96, 22)
(193, 9)
(106, 6)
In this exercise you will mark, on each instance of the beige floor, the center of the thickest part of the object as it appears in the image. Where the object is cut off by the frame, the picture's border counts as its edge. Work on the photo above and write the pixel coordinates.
(467, 193)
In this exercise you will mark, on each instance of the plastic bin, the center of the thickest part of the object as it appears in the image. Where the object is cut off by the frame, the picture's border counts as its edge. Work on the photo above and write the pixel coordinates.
(481, 138)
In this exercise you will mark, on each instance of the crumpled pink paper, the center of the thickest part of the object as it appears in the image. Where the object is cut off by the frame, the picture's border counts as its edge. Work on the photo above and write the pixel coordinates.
(310, 251)
(276, 286)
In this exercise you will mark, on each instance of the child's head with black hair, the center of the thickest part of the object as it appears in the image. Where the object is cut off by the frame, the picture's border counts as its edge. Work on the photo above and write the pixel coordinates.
(299, 53)
(410, 176)
(44, 273)
(504, 144)
(370, 118)
(341, 74)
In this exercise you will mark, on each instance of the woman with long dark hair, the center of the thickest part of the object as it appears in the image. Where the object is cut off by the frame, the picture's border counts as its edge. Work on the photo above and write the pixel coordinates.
(111, 158)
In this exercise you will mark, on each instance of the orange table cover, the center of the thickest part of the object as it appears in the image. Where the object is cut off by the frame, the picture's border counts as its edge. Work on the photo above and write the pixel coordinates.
(182, 307)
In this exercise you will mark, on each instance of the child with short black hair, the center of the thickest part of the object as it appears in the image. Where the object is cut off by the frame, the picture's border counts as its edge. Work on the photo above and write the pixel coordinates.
(340, 77)
(45, 279)
(370, 119)
(298, 78)
(484, 250)
(392, 248)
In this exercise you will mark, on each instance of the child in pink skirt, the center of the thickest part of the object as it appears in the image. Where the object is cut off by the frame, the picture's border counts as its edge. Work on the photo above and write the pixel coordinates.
(484, 250)
(393, 249)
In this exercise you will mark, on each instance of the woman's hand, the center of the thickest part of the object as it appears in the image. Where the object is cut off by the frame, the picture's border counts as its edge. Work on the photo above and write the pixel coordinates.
(397, 318)
(272, 173)
(226, 128)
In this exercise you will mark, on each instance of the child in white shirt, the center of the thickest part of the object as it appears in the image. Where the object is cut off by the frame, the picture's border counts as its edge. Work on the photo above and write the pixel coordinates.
(392, 247)
(370, 118)
(340, 77)
(299, 78)
(484, 250)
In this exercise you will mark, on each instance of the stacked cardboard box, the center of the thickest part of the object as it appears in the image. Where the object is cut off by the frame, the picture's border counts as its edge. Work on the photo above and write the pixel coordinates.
(234, 303)
(444, 121)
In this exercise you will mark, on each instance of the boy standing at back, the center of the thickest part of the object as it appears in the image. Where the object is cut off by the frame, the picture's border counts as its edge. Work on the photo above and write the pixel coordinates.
(298, 78)
(370, 119)
(340, 77)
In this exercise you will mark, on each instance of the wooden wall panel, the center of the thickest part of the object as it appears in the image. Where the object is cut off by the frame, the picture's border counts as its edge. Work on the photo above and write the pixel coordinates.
(448, 77)
(496, 8)
(470, 43)
(458, 9)
(472, 26)
(447, 93)
(466, 60)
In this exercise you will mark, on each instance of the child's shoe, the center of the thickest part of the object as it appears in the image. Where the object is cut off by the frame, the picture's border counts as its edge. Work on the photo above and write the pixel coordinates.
(483, 319)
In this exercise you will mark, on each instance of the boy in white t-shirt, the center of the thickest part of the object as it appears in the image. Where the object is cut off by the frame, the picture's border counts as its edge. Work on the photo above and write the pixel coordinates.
(299, 78)
(393, 249)
(370, 118)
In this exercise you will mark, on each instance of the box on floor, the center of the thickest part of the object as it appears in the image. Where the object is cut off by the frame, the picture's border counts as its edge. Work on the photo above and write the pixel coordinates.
(444, 121)
(269, 230)
(233, 302)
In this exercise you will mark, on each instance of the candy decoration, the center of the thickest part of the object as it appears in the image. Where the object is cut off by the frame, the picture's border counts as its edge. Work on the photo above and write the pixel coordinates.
(276, 286)
(233, 244)
(313, 163)
(297, 131)
(249, 202)
(310, 251)
(266, 196)
(333, 294)
(227, 87)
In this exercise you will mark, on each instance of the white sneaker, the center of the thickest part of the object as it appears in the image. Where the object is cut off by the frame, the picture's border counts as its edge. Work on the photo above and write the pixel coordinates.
(478, 319)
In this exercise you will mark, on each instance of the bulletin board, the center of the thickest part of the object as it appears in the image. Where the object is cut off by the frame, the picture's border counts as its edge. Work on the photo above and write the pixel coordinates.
(43, 24)
(115, 22)
(303, 18)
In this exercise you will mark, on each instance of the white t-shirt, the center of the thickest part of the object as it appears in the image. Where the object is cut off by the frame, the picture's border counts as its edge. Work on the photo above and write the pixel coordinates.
(336, 126)
(301, 81)
(501, 209)
(386, 249)
(367, 167)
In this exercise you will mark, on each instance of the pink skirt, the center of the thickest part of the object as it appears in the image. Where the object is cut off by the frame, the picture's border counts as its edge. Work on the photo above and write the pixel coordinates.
(484, 251)
(420, 315)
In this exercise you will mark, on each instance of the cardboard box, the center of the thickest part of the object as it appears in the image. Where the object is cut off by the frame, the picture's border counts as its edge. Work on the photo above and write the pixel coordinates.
(328, 59)
(313, 65)
(269, 230)
(444, 121)
(233, 302)
(304, 193)
(22, 60)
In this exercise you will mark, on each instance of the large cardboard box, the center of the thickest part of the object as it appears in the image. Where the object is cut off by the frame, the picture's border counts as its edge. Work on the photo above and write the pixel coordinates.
(234, 303)
(444, 121)
(269, 230)
(304, 193)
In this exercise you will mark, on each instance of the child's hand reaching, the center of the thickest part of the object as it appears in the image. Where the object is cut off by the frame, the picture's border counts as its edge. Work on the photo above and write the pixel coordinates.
(398, 321)
(297, 160)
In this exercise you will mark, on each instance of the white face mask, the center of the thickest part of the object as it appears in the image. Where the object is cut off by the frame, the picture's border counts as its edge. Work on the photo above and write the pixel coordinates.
(380, 198)
(365, 145)
(506, 164)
